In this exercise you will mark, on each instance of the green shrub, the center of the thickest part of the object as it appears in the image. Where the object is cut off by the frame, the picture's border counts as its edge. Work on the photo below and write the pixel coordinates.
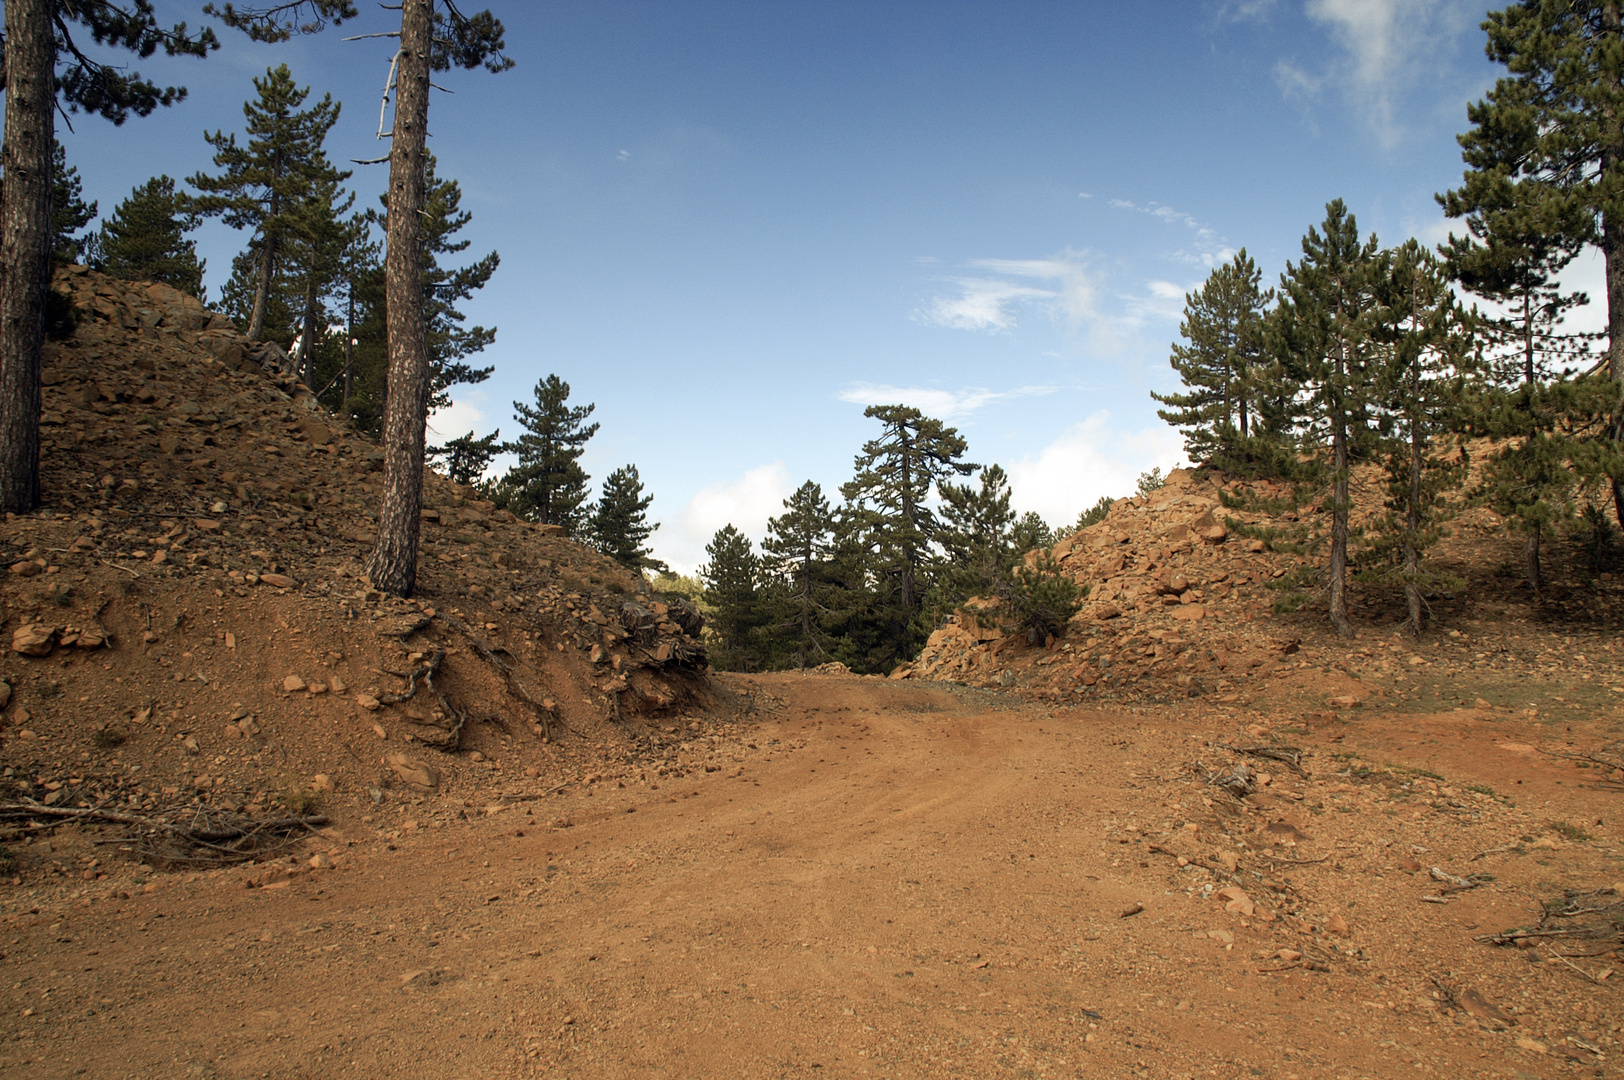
(1040, 600)
(1096, 513)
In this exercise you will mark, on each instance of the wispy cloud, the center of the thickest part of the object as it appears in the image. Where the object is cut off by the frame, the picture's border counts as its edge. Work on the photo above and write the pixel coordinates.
(1243, 10)
(745, 503)
(1386, 48)
(1207, 248)
(982, 304)
(993, 298)
(1300, 89)
(941, 404)
(1067, 290)
(1162, 301)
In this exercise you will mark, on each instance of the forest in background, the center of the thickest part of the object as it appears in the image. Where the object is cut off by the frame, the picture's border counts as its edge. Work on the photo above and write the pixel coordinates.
(1398, 357)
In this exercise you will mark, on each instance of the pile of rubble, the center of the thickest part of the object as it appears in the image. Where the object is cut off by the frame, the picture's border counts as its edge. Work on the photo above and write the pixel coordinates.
(189, 616)
(1177, 605)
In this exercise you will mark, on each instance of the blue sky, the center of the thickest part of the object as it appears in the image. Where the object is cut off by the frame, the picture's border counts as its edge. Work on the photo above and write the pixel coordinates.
(732, 226)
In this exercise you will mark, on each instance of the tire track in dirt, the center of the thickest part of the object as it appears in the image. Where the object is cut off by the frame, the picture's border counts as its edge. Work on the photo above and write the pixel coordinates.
(905, 881)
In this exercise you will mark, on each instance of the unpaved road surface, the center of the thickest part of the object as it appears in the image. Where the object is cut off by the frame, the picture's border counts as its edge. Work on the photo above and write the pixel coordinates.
(890, 880)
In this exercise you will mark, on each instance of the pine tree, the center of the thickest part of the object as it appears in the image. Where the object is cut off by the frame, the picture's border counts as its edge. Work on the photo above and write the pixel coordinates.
(1321, 333)
(797, 551)
(366, 363)
(1094, 514)
(145, 238)
(324, 235)
(352, 361)
(1515, 249)
(895, 475)
(449, 343)
(241, 290)
(69, 211)
(37, 36)
(1427, 345)
(427, 42)
(1529, 479)
(732, 590)
(548, 485)
(466, 457)
(978, 551)
(1030, 532)
(619, 524)
(1550, 129)
(262, 186)
(1039, 599)
(870, 633)
(1223, 368)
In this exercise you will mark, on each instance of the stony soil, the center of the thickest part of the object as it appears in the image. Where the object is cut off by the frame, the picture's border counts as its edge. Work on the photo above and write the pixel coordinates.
(901, 880)
(619, 866)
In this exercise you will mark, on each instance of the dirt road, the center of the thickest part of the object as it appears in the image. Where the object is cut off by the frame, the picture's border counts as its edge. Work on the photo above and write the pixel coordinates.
(892, 880)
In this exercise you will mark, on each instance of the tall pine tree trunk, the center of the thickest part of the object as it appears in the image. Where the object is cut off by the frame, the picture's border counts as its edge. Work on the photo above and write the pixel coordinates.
(25, 243)
(307, 346)
(909, 523)
(262, 288)
(1612, 240)
(1339, 503)
(1528, 337)
(1613, 249)
(349, 353)
(806, 612)
(393, 563)
(1531, 564)
(1412, 525)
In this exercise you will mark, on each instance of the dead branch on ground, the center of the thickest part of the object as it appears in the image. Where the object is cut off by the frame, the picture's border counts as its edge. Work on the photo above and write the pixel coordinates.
(1612, 762)
(1239, 782)
(210, 837)
(1289, 756)
(1595, 916)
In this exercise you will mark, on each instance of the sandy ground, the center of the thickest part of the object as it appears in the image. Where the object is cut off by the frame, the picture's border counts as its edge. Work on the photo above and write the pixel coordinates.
(891, 879)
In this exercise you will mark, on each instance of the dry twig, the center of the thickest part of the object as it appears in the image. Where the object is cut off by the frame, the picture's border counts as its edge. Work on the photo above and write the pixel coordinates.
(1289, 756)
(211, 837)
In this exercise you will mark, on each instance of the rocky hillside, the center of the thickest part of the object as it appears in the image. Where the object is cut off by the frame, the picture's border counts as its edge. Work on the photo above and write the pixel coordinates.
(188, 620)
(1180, 607)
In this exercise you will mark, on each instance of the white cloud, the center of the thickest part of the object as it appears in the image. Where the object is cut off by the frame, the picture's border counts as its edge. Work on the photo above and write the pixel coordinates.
(465, 414)
(458, 418)
(1237, 10)
(1296, 85)
(745, 503)
(990, 303)
(1387, 46)
(940, 404)
(982, 304)
(1092, 458)
(1433, 231)
(1163, 301)
(1066, 289)
(1210, 250)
